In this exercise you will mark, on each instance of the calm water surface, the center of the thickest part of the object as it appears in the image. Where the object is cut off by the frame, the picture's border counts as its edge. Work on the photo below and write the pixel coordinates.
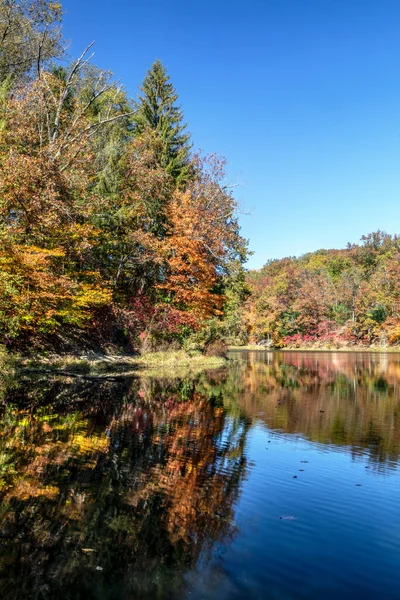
(277, 477)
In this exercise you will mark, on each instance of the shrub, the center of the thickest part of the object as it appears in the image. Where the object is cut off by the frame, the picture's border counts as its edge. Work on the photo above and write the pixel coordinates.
(217, 348)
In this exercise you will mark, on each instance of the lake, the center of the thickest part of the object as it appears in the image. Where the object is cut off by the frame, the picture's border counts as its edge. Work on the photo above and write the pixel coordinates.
(276, 477)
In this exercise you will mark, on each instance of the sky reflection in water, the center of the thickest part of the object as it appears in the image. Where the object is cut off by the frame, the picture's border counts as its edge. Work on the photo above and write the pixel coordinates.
(176, 489)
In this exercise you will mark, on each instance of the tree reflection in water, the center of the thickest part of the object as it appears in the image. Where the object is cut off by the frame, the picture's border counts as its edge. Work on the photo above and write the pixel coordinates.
(337, 398)
(115, 490)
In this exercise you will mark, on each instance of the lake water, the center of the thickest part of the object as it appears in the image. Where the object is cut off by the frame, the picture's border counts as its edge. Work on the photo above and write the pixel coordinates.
(277, 477)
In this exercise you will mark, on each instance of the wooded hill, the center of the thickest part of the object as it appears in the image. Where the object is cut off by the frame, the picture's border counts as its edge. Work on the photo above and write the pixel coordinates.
(328, 298)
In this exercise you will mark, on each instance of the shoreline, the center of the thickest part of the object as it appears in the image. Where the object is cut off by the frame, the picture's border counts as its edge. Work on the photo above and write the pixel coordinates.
(99, 366)
(371, 349)
(168, 364)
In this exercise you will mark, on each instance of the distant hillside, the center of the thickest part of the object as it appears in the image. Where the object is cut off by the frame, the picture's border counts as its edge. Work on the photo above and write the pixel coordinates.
(332, 298)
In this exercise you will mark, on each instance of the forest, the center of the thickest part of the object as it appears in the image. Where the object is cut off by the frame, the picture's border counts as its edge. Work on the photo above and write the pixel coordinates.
(113, 229)
(116, 232)
(328, 298)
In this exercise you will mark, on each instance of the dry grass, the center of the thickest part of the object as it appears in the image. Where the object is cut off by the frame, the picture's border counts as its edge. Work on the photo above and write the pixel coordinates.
(172, 363)
(177, 363)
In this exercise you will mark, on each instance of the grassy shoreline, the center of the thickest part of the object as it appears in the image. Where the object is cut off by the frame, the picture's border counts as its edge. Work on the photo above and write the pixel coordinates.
(176, 363)
(159, 364)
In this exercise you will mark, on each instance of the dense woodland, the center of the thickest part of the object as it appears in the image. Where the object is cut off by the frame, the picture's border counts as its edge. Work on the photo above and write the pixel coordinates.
(331, 298)
(112, 228)
(114, 232)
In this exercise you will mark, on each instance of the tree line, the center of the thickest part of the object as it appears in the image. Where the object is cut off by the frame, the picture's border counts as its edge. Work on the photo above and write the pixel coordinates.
(112, 228)
(329, 298)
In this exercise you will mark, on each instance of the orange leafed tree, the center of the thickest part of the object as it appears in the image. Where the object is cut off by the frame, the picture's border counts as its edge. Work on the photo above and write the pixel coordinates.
(191, 266)
(203, 240)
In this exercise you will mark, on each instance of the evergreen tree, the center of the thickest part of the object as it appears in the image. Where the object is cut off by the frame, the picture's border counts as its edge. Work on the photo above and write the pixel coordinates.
(157, 110)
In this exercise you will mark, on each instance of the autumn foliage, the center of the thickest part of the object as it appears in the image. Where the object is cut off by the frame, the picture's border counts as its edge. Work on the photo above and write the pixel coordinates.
(98, 232)
(329, 298)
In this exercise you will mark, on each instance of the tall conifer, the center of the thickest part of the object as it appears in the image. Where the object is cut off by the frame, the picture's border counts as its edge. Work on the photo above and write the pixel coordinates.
(158, 110)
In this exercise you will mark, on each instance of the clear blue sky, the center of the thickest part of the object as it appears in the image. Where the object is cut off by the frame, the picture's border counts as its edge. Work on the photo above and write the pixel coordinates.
(301, 96)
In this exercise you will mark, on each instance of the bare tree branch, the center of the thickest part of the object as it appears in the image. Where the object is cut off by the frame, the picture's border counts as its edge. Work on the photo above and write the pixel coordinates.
(90, 130)
(76, 68)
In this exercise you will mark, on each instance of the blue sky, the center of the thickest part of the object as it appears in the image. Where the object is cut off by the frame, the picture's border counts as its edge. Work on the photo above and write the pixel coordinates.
(301, 96)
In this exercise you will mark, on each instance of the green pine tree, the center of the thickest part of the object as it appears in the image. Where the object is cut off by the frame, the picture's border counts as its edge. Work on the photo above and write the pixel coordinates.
(157, 110)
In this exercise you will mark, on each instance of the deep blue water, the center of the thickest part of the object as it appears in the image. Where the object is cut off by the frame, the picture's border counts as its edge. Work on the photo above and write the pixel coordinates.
(277, 477)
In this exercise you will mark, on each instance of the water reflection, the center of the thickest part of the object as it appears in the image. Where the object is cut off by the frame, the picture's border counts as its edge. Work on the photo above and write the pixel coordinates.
(116, 489)
(343, 399)
(114, 500)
